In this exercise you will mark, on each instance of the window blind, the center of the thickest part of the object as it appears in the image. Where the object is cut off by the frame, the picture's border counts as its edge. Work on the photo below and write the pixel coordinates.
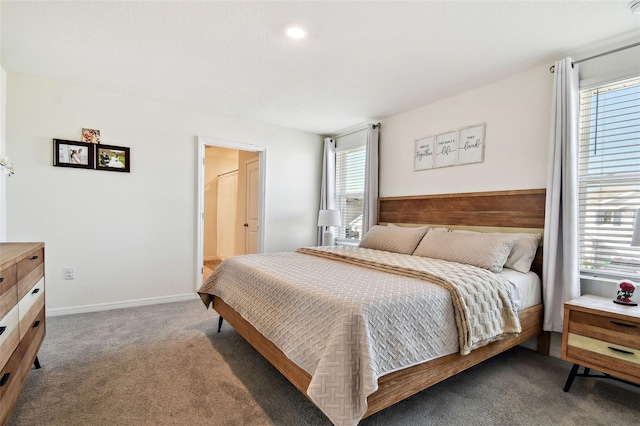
(609, 178)
(349, 193)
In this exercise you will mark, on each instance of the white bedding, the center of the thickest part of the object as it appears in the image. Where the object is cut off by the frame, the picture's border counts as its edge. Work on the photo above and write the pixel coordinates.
(528, 287)
(344, 324)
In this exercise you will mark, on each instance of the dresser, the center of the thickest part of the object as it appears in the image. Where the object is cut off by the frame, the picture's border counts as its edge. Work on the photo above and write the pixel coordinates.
(602, 335)
(22, 320)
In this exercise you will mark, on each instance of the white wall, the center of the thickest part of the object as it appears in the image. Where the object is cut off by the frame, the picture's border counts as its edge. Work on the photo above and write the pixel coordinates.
(516, 111)
(132, 235)
(3, 149)
(3, 116)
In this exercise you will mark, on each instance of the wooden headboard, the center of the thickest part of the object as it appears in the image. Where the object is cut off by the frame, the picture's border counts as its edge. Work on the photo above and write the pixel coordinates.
(511, 211)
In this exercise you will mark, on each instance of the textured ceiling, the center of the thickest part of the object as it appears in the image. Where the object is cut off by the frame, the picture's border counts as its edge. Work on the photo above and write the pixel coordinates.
(361, 61)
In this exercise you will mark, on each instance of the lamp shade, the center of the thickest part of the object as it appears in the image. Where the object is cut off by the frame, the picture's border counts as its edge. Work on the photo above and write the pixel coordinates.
(635, 238)
(329, 218)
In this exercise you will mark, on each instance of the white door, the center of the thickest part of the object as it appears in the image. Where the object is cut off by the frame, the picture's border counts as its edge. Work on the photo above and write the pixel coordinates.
(252, 213)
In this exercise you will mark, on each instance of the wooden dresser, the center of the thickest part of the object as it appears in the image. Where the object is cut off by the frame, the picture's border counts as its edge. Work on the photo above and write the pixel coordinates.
(22, 320)
(602, 335)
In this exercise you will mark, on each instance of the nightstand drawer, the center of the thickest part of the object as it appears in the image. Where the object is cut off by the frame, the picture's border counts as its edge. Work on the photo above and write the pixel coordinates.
(600, 327)
(604, 348)
(610, 357)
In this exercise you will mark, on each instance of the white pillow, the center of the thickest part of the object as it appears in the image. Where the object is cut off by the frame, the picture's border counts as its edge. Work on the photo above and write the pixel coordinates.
(396, 239)
(488, 251)
(523, 251)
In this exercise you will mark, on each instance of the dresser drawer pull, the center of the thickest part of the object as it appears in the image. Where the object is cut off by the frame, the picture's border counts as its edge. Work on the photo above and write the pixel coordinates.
(620, 350)
(623, 324)
(5, 379)
(35, 291)
(2, 329)
(36, 324)
(34, 257)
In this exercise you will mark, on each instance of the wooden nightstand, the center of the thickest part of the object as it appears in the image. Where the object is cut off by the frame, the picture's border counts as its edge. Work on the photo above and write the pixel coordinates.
(602, 335)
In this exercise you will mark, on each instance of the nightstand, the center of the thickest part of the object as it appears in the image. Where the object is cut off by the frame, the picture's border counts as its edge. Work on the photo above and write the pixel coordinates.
(602, 335)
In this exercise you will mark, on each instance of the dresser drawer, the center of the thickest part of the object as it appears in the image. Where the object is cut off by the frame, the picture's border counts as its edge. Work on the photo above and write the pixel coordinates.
(31, 261)
(30, 305)
(30, 345)
(9, 374)
(8, 289)
(30, 270)
(9, 334)
(8, 278)
(608, 329)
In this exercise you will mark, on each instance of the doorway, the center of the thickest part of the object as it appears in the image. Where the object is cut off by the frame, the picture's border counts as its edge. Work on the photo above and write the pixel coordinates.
(230, 202)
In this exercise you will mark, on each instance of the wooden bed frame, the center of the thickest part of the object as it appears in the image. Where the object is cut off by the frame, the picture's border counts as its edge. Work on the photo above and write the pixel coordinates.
(504, 209)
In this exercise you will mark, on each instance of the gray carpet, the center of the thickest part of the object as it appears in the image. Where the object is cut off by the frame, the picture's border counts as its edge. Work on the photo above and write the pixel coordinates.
(166, 365)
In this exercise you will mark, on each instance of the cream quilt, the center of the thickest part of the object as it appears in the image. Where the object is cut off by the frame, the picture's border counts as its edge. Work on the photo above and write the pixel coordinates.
(349, 315)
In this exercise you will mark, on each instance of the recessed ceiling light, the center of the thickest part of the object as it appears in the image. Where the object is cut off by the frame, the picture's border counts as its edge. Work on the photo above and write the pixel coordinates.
(296, 31)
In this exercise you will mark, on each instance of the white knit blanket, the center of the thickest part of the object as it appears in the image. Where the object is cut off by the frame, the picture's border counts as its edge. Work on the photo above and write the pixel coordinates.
(347, 325)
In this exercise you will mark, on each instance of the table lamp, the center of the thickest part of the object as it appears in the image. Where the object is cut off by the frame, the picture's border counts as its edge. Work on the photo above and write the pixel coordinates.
(328, 218)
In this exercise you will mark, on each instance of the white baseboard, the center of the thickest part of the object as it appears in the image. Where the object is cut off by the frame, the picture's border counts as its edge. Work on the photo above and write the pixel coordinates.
(53, 312)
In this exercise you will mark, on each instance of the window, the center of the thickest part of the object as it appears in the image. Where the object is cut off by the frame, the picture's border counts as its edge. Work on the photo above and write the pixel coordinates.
(609, 178)
(350, 162)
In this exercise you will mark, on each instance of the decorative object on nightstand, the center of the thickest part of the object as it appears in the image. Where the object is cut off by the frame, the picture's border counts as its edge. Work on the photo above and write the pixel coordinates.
(625, 293)
(328, 218)
(626, 288)
(604, 336)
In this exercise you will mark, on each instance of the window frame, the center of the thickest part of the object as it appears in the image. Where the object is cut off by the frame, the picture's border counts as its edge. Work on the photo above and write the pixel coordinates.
(341, 237)
(594, 229)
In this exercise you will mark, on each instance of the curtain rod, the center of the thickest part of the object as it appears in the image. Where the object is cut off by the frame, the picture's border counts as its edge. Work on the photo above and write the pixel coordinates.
(553, 67)
(353, 131)
(227, 173)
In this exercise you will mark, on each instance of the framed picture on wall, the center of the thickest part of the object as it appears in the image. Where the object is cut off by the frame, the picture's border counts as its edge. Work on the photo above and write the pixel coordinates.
(74, 154)
(423, 153)
(113, 158)
(446, 149)
(471, 144)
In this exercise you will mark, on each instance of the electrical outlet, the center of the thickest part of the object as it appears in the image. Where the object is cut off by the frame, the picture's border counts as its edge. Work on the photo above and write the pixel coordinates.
(70, 273)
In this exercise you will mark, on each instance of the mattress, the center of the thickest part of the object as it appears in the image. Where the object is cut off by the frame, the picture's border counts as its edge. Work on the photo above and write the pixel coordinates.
(528, 287)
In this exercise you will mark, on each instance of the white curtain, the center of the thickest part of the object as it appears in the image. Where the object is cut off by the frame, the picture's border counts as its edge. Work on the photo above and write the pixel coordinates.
(370, 216)
(328, 189)
(560, 272)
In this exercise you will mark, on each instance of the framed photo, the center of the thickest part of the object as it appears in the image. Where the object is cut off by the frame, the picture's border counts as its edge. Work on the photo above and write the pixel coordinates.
(113, 158)
(446, 149)
(73, 154)
(471, 144)
(91, 135)
(423, 154)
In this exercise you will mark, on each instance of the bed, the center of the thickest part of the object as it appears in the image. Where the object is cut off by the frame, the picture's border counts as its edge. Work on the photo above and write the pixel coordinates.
(380, 382)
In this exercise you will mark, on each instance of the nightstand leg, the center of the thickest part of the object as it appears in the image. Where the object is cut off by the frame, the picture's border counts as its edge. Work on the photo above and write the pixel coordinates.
(572, 375)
